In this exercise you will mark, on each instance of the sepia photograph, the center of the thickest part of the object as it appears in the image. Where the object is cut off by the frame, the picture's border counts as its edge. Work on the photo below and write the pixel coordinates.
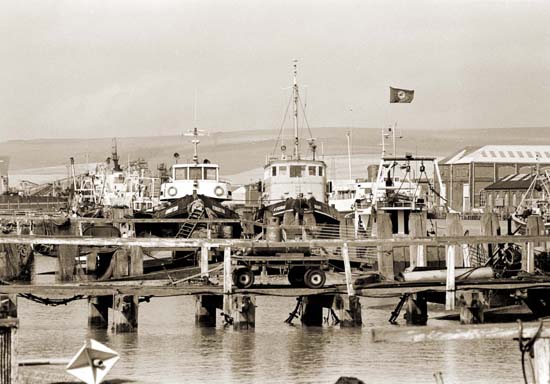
(275, 191)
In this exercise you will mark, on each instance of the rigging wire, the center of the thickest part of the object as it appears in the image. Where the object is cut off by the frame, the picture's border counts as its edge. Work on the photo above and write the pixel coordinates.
(282, 125)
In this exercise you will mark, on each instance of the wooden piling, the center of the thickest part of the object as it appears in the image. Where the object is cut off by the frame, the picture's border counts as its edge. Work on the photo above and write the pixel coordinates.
(204, 261)
(121, 262)
(384, 252)
(416, 309)
(136, 261)
(243, 311)
(66, 262)
(8, 350)
(417, 228)
(98, 311)
(535, 227)
(312, 315)
(454, 258)
(91, 265)
(125, 313)
(489, 227)
(348, 309)
(472, 307)
(205, 309)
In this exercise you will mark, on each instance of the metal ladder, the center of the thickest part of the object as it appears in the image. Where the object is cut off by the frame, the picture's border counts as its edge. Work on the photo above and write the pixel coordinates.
(187, 228)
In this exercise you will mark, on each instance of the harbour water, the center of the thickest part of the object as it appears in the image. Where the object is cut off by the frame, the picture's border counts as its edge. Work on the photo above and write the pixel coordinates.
(168, 348)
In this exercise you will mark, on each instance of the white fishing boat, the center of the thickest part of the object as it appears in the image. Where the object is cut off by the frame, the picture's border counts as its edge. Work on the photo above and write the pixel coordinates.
(295, 188)
(535, 201)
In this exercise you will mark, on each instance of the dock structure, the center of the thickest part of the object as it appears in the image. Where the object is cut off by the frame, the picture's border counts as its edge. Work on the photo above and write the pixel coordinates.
(459, 278)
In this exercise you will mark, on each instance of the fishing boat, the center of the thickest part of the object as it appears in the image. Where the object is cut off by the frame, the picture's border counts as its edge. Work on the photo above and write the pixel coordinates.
(193, 191)
(294, 187)
(535, 201)
(110, 185)
(402, 187)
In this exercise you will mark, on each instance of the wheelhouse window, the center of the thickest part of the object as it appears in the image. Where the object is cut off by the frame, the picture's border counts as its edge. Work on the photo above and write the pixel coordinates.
(210, 173)
(320, 171)
(311, 170)
(297, 170)
(195, 173)
(274, 171)
(180, 173)
(283, 170)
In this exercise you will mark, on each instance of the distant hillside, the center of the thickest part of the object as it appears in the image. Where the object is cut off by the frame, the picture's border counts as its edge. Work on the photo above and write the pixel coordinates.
(238, 152)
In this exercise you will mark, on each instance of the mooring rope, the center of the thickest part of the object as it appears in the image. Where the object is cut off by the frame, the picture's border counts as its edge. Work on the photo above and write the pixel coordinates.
(526, 346)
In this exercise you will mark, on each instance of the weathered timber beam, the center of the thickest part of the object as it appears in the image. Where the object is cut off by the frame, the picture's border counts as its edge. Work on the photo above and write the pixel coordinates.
(213, 243)
(462, 332)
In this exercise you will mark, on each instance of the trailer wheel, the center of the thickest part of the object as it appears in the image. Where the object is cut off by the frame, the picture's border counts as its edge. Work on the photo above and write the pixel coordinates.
(243, 278)
(296, 276)
(315, 278)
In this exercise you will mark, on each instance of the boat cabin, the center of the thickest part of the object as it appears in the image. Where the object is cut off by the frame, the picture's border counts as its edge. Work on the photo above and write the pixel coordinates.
(285, 179)
(202, 179)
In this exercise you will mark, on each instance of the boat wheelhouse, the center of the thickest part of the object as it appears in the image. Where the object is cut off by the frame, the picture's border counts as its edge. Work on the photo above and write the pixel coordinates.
(201, 179)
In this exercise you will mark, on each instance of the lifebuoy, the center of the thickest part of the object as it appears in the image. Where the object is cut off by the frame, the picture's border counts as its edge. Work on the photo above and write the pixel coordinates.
(218, 191)
(172, 191)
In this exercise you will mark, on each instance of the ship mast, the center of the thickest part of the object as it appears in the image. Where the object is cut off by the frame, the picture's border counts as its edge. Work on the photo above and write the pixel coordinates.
(295, 93)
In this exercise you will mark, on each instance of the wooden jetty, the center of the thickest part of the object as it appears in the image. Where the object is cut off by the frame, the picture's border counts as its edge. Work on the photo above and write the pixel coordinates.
(391, 255)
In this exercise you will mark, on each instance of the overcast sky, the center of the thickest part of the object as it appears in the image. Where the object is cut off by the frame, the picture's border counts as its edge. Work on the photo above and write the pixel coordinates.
(125, 68)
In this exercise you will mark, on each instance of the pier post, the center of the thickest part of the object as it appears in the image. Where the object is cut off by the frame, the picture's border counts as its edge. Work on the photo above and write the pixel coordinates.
(9, 262)
(417, 228)
(489, 227)
(416, 309)
(125, 313)
(385, 252)
(125, 307)
(472, 307)
(243, 311)
(348, 309)
(205, 309)
(98, 311)
(454, 258)
(535, 227)
(312, 315)
(204, 261)
(8, 350)
(91, 265)
(66, 262)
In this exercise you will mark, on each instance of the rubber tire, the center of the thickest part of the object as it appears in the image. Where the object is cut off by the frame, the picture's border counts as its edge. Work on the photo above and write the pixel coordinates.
(296, 276)
(243, 278)
(315, 278)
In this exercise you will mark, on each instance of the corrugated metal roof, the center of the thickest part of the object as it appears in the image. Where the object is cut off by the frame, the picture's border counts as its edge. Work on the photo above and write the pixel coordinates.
(526, 154)
(519, 181)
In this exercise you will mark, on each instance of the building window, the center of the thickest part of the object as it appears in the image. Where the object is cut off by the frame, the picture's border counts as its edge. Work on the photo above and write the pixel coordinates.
(274, 171)
(539, 155)
(511, 154)
(482, 199)
(297, 170)
(529, 154)
(181, 173)
(311, 170)
(493, 154)
(501, 153)
(520, 154)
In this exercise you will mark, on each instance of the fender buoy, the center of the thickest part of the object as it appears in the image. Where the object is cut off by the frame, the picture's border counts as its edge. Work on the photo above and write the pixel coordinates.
(172, 191)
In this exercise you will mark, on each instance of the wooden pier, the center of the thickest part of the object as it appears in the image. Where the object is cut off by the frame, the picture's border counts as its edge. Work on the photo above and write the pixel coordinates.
(390, 255)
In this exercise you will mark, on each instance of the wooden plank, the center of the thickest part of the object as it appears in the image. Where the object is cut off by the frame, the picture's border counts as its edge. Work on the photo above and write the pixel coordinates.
(136, 261)
(459, 332)
(541, 365)
(347, 270)
(454, 258)
(385, 250)
(417, 228)
(172, 243)
(204, 261)
(66, 262)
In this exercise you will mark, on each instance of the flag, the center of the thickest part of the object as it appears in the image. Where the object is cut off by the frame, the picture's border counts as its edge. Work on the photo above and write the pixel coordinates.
(401, 95)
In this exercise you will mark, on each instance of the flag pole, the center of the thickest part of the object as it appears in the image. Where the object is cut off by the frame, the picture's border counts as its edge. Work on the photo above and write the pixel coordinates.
(394, 142)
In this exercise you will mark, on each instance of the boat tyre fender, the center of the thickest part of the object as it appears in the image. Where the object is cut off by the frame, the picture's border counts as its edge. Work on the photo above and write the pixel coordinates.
(172, 191)
(218, 191)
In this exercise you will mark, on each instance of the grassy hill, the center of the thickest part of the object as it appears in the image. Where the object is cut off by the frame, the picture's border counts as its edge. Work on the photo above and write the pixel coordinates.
(240, 152)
